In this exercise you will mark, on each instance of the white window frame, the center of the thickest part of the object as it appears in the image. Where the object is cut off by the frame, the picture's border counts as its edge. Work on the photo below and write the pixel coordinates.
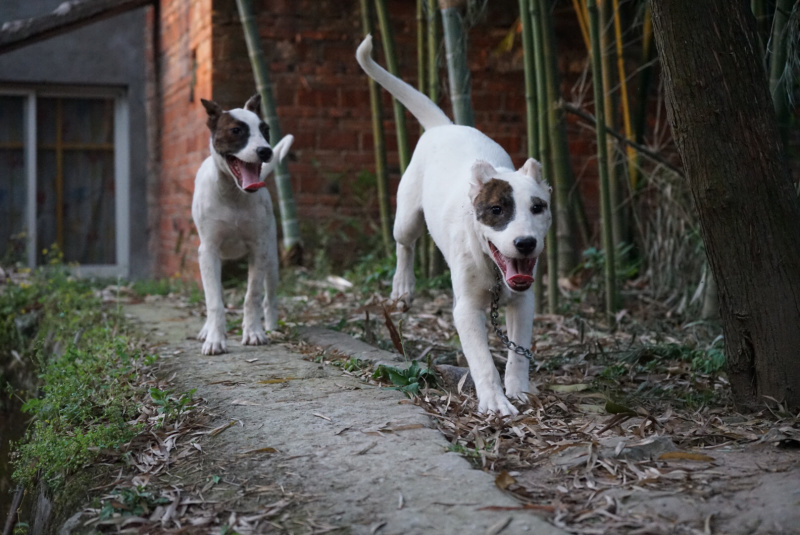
(121, 172)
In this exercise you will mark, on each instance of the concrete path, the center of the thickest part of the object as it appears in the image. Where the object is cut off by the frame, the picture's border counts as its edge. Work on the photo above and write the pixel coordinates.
(367, 460)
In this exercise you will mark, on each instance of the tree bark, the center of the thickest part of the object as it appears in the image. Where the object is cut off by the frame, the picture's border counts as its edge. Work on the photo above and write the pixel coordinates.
(724, 125)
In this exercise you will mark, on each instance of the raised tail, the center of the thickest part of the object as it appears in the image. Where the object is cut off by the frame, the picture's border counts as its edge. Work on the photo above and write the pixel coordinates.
(427, 113)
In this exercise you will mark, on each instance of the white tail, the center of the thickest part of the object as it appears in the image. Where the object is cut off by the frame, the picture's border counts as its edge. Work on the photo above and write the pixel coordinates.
(279, 152)
(427, 113)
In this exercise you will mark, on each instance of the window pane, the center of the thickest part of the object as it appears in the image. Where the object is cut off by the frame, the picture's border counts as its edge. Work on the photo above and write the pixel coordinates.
(13, 187)
(75, 184)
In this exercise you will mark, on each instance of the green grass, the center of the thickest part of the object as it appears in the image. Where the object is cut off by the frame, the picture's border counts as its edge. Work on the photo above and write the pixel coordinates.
(86, 368)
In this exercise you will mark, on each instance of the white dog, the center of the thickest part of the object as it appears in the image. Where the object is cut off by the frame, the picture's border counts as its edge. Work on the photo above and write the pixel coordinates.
(232, 210)
(484, 216)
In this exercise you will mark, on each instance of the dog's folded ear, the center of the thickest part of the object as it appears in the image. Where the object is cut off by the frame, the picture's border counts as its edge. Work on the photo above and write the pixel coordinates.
(214, 111)
(254, 104)
(533, 169)
(482, 172)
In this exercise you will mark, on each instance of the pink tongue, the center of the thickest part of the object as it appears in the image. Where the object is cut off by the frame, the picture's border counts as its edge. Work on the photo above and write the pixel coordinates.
(520, 282)
(251, 181)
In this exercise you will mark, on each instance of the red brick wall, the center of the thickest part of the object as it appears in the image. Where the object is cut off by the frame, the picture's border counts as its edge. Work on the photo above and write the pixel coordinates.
(186, 67)
(323, 101)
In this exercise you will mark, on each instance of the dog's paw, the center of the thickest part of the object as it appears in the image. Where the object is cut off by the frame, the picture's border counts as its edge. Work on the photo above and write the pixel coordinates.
(517, 388)
(214, 346)
(497, 404)
(254, 337)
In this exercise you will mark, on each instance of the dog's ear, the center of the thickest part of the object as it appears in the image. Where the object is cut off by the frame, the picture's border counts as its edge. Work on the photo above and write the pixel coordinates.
(214, 111)
(254, 104)
(482, 172)
(533, 169)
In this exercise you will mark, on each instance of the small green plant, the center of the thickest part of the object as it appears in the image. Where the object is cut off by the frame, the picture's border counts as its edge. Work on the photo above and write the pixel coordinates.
(409, 380)
(134, 501)
(86, 367)
(171, 407)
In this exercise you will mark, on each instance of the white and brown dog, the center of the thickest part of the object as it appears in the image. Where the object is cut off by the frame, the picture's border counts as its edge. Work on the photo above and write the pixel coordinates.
(232, 210)
(484, 216)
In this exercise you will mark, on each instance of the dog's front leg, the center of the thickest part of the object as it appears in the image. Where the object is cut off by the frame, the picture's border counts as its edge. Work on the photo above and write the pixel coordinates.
(213, 332)
(470, 321)
(519, 322)
(252, 331)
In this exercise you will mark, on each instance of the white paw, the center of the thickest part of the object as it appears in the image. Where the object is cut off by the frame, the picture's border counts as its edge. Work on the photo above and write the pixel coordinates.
(403, 290)
(254, 337)
(213, 340)
(496, 403)
(270, 320)
(214, 346)
(517, 387)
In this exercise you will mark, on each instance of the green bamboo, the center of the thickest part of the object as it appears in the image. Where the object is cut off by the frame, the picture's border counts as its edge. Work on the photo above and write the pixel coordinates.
(602, 164)
(777, 66)
(563, 179)
(538, 8)
(529, 61)
(422, 85)
(391, 65)
(455, 41)
(436, 263)
(291, 231)
(379, 144)
(530, 45)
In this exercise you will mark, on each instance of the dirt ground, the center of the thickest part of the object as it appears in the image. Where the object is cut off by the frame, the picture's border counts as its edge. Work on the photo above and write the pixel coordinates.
(336, 452)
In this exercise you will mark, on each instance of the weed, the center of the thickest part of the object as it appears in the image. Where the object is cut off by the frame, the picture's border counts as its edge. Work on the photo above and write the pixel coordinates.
(131, 502)
(170, 407)
(409, 381)
(86, 369)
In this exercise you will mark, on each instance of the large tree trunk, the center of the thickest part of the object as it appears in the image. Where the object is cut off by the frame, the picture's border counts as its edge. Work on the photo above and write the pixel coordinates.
(724, 125)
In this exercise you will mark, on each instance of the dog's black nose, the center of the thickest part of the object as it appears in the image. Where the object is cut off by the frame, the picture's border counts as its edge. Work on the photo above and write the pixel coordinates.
(265, 153)
(525, 244)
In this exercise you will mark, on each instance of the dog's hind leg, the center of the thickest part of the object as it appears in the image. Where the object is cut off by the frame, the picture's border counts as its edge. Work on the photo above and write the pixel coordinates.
(409, 224)
(213, 332)
(270, 303)
(252, 331)
(519, 322)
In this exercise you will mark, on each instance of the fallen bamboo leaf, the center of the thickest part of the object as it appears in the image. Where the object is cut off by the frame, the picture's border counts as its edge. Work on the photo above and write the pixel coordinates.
(217, 430)
(684, 456)
(616, 408)
(244, 402)
(321, 416)
(260, 450)
(276, 380)
(569, 388)
(504, 480)
(393, 333)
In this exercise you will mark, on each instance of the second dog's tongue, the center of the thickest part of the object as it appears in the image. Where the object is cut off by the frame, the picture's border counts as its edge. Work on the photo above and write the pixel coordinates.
(251, 181)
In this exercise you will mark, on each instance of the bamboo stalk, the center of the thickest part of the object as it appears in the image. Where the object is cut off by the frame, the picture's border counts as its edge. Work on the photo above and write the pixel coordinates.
(623, 95)
(379, 144)
(293, 250)
(455, 41)
(422, 84)
(602, 161)
(581, 16)
(436, 263)
(538, 22)
(645, 76)
(391, 65)
(777, 66)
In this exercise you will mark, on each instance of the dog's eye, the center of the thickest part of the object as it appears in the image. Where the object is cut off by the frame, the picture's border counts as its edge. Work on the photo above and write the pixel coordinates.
(537, 208)
(236, 130)
(497, 210)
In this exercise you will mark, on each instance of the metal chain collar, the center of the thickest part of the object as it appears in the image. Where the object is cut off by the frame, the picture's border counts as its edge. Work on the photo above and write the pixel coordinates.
(494, 314)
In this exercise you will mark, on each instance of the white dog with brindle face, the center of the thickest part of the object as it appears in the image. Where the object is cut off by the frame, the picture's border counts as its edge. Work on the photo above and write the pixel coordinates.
(483, 215)
(232, 210)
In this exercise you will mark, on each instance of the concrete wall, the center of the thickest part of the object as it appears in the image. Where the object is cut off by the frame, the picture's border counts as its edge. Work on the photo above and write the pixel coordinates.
(107, 53)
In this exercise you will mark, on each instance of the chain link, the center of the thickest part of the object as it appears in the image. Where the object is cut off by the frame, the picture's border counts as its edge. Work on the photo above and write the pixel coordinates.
(494, 314)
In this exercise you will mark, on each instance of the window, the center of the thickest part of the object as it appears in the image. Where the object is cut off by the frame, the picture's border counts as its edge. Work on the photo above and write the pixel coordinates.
(64, 178)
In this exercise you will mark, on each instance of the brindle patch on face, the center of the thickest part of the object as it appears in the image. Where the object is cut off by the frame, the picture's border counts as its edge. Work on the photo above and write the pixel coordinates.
(231, 135)
(494, 204)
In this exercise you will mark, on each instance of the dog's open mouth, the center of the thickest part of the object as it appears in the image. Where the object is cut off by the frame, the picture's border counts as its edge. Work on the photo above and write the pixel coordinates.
(247, 174)
(517, 272)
